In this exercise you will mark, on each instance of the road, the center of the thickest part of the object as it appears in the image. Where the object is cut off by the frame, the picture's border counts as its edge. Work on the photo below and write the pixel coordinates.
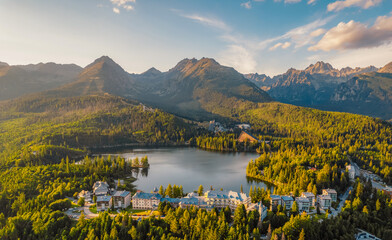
(87, 213)
(342, 201)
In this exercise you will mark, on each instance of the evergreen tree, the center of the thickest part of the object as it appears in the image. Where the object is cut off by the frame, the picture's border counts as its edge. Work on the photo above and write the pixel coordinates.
(302, 235)
(200, 191)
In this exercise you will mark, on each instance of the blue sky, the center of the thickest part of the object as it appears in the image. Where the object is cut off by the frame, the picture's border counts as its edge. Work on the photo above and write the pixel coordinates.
(264, 36)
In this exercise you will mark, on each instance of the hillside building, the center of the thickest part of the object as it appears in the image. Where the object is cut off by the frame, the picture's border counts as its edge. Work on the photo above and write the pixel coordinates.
(143, 200)
(324, 201)
(311, 197)
(122, 199)
(332, 193)
(303, 204)
(287, 201)
(104, 203)
(275, 201)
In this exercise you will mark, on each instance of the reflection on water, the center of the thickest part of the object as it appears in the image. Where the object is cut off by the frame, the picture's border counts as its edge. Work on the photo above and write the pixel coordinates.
(191, 167)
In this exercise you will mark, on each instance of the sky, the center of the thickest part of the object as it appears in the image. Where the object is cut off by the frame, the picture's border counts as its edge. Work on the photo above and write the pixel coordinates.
(264, 36)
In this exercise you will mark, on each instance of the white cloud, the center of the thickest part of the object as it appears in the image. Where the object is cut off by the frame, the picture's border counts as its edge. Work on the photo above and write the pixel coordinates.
(340, 5)
(286, 45)
(280, 45)
(378, 56)
(125, 4)
(311, 1)
(299, 36)
(354, 35)
(246, 5)
(238, 57)
(209, 21)
(317, 32)
(276, 46)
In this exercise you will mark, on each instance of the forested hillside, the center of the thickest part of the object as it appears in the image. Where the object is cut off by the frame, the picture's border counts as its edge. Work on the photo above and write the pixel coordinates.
(38, 129)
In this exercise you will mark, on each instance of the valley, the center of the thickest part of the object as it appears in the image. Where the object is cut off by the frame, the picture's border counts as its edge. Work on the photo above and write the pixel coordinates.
(50, 142)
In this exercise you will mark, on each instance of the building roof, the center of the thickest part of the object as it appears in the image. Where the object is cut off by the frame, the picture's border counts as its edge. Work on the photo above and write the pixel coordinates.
(287, 198)
(249, 135)
(170, 200)
(226, 195)
(121, 194)
(307, 194)
(189, 201)
(301, 199)
(99, 184)
(330, 191)
(143, 195)
(275, 197)
(104, 198)
(324, 197)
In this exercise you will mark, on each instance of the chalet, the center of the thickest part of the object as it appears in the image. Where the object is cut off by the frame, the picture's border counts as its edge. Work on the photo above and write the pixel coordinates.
(104, 203)
(287, 201)
(303, 204)
(122, 199)
(332, 193)
(275, 201)
(246, 136)
(86, 195)
(100, 188)
(324, 201)
(311, 197)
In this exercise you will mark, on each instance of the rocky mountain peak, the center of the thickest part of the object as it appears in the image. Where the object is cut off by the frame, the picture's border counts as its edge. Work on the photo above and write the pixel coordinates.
(319, 67)
(151, 72)
(386, 69)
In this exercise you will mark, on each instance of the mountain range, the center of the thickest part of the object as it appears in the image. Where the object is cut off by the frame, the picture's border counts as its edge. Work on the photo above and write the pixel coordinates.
(18, 80)
(197, 89)
(203, 89)
(356, 90)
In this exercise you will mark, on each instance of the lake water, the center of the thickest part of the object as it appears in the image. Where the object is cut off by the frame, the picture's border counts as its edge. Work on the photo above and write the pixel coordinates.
(191, 167)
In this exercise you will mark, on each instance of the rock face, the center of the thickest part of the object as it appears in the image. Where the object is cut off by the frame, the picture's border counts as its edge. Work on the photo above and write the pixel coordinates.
(319, 85)
(18, 80)
(262, 81)
(386, 69)
(368, 94)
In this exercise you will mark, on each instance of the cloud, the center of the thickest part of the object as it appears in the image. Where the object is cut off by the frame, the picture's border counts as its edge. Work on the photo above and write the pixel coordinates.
(317, 32)
(299, 36)
(116, 10)
(286, 45)
(280, 45)
(125, 4)
(208, 21)
(292, 1)
(340, 5)
(276, 46)
(354, 35)
(246, 5)
(238, 57)
(311, 1)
